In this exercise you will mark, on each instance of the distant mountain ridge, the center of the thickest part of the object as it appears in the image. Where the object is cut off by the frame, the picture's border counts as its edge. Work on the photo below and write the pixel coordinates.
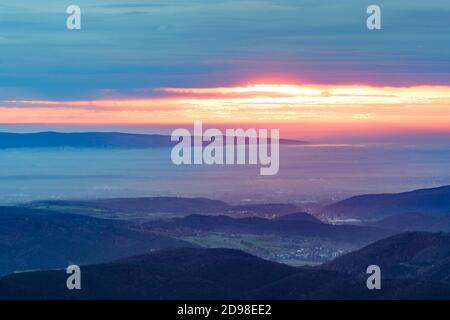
(149, 204)
(300, 224)
(416, 222)
(374, 207)
(178, 205)
(93, 140)
(82, 140)
(298, 216)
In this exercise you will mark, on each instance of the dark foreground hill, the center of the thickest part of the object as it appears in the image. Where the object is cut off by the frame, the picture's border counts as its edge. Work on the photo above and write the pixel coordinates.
(412, 255)
(38, 239)
(209, 274)
(379, 206)
(171, 274)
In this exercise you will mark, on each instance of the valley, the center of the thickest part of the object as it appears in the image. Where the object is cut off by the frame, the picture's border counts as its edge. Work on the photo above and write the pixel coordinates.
(288, 250)
(197, 244)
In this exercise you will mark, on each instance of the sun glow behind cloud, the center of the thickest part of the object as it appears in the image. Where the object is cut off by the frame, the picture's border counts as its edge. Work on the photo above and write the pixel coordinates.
(424, 107)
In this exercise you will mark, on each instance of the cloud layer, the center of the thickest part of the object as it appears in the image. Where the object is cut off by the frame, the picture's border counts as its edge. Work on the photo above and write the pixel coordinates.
(324, 108)
(124, 49)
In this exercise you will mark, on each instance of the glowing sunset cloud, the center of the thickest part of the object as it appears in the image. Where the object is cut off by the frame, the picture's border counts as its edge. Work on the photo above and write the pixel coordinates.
(425, 107)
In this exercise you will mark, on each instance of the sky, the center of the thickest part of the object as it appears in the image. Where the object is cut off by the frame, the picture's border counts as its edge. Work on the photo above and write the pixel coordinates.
(300, 63)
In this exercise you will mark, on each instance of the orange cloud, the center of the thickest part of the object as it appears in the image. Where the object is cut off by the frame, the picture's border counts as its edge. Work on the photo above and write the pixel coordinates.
(328, 107)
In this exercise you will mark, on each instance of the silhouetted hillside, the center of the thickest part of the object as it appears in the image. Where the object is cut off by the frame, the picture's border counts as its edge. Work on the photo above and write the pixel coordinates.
(413, 255)
(378, 206)
(171, 274)
(298, 216)
(284, 227)
(209, 274)
(38, 239)
(328, 285)
(416, 222)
